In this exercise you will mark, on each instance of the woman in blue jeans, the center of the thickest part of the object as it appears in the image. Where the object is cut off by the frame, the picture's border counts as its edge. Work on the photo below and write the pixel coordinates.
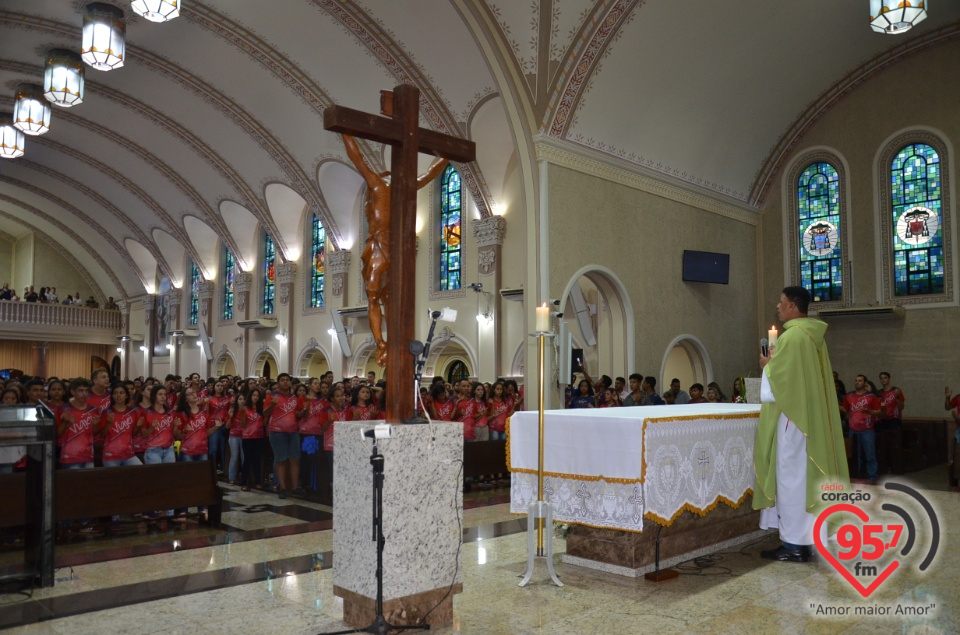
(157, 428)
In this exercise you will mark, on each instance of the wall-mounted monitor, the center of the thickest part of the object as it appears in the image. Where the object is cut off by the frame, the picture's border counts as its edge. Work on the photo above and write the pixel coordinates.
(706, 266)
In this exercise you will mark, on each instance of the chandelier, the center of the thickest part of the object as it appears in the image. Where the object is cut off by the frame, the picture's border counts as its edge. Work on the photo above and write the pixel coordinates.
(63, 78)
(156, 10)
(103, 36)
(31, 111)
(11, 139)
(896, 16)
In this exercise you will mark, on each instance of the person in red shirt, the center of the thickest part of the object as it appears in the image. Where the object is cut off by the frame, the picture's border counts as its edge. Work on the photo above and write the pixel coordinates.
(251, 424)
(889, 439)
(157, 428)
(119, 422)
(75, 428)
(193, 426)
(218, 403)
(498, 411)
(861, 408)
(100, 394)
(339, 410)
(363, 406)
(442, 405)
(235, 439)
(280, 411)
(313, 416)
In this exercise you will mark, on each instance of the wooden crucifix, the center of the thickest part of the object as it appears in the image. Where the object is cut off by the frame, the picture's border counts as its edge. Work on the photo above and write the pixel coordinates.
(399, 128)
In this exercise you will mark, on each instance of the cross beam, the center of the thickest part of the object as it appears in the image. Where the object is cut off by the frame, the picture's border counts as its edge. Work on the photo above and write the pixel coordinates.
(400, 128)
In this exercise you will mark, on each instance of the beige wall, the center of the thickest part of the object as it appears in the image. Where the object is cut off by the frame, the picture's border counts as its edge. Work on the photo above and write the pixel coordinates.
(919, 351)
(6, 262)
(50, 269)
(641, 237)
(23, 263)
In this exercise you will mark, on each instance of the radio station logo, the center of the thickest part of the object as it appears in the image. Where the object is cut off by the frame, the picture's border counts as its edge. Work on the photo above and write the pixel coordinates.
(861, 548)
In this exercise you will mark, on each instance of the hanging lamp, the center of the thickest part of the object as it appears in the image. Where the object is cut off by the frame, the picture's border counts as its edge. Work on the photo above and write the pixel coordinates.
(31, 110)
(103, 45)
(896, 16)
(11, 139)
(156, 10)
(63, 78)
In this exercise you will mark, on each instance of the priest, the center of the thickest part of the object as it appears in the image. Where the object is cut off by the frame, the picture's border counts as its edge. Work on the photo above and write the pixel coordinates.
(799, 446)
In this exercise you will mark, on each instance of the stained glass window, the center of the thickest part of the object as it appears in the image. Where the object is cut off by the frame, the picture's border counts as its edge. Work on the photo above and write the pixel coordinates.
(319, 262)
(269, 273)
(229, 270)
(195, 280)
(818, 215)
(450, 230)
(458, 372)
(915, 196)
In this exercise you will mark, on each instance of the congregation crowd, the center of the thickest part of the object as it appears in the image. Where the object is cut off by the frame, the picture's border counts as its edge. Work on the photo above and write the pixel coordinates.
(48, 295)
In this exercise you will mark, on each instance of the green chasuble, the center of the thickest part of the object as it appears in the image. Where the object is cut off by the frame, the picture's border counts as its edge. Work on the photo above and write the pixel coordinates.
(801, 377)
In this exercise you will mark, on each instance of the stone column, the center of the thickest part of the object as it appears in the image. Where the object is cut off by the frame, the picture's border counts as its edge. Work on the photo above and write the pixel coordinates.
(40, 358)
(207, 290)
(489, 233)
(242, 285)
(173, 299)
(338, 265)
(286, 280)
(149, 304)
(125, 345)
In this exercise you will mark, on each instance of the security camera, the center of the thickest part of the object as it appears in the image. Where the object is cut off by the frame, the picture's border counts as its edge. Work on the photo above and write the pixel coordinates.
(557, 314)
(477, 286)
(554, 301)
(379, 431)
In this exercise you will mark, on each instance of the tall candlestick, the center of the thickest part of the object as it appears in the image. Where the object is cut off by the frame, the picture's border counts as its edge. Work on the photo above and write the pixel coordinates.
(543, 318)
(772, 336)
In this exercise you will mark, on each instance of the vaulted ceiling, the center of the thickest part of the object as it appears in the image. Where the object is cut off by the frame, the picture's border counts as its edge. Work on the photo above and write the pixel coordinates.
(213, 127)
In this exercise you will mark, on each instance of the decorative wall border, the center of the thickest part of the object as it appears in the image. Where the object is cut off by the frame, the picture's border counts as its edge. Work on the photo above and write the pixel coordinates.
(569, 155)
(796, 167)
(884, 158)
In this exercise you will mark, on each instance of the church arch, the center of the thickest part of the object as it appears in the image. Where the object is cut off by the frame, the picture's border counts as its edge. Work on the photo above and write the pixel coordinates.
(265, 363)
(312, 360)
(226, 364)
(687, 359)
(614, 350)
(363, 356)
(447, 348)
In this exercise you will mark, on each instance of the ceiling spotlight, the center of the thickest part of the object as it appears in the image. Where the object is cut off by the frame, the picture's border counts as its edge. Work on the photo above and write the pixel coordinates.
(11, 138)
(896, 16)
(156, 10)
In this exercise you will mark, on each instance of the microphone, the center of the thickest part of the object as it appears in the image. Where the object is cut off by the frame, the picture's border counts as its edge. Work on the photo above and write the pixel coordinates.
(763, 347)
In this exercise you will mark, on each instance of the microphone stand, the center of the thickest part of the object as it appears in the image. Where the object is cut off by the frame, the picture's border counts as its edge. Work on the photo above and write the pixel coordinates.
(421, 352)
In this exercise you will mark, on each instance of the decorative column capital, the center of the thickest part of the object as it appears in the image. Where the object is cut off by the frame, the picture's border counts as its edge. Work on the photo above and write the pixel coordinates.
(489, 232)
(338, 261)
(286, 274)
(243, 282)
(173, 298)
(206, 289)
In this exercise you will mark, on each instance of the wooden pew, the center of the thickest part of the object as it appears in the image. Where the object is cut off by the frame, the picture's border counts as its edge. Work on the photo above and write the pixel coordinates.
(106, 491)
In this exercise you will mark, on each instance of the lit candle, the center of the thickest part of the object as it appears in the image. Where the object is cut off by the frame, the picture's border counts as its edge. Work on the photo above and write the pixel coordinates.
(772, 336)
(543, 318)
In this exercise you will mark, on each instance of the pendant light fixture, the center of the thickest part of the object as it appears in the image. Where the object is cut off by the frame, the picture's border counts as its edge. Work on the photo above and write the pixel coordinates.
(63, 78)
(156, 10)
(103, 45)
(896, 16)
(11, 139)
(31, 110)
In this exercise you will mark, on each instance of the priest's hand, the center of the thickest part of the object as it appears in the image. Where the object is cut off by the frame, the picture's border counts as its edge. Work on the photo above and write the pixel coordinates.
(765, 359)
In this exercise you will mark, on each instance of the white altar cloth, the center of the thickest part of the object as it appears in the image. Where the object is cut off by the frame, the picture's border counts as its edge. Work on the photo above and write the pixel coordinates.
(613, 467)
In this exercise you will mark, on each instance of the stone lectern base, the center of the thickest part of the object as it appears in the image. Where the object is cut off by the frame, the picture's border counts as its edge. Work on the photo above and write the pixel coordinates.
(633, 554)
(422, 521)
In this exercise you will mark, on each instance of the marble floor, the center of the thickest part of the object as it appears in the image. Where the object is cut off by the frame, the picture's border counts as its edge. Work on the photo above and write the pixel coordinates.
(268, 569)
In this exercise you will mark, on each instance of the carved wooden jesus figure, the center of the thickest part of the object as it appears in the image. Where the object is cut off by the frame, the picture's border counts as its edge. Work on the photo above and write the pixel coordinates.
(376, 252)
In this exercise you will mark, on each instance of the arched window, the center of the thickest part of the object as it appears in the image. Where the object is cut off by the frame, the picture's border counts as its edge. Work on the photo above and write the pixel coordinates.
(195, 280)
(269, 273)
(450, 231)
(458, 372)
(229, 271)
(318, 253)
(818, 224)
(917, 219)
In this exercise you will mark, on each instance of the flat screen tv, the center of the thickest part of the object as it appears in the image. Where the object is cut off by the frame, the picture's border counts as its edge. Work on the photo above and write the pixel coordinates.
(706, 266)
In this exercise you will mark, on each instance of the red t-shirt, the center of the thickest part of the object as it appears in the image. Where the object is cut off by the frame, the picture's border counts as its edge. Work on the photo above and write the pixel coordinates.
(497, 415)
(284, 415)
(466, 412)
(254, 427)
(219, 408)
(193, 428)
(139, 443)
(162, 436)
(955, 402)
(334, 415)
(77, 442)
(118, 446)
(444, 409)
(365, 413)
(888, 402)
(100, 402)
(172, 399)
(856, 406)
(316, 417)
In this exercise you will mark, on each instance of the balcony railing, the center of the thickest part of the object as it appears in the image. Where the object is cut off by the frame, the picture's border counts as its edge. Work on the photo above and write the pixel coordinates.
(30, 320)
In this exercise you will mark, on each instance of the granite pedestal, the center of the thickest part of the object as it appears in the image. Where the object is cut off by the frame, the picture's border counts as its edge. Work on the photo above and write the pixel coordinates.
(422, 523)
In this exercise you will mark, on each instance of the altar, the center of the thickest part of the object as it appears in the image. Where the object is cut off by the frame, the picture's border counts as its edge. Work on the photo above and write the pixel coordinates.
(616, 473)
